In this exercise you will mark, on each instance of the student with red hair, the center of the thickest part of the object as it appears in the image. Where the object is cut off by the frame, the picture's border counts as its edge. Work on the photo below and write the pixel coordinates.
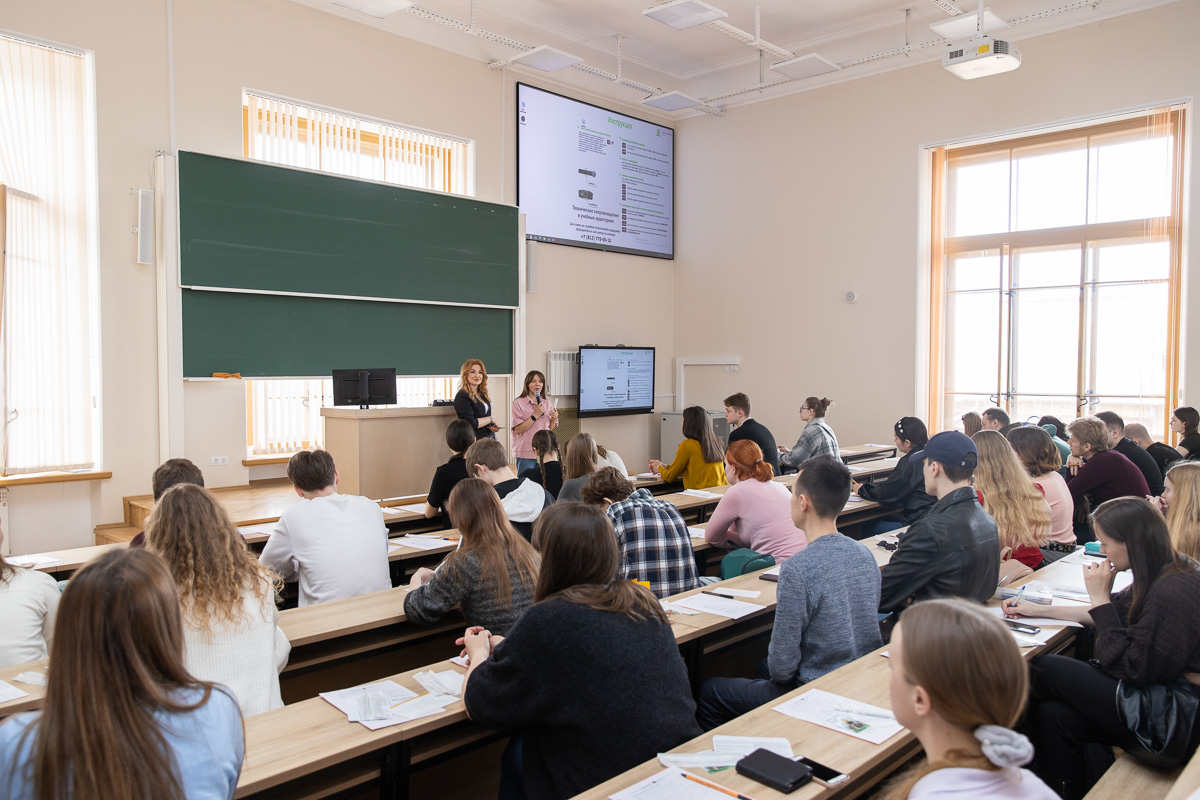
(755, 512)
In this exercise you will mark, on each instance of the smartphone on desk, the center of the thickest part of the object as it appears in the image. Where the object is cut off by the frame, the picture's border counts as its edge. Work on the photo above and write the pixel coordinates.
(1021, 627)
(821, 773)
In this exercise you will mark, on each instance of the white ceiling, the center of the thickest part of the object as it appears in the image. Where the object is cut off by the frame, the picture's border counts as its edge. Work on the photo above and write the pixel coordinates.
(862, 36)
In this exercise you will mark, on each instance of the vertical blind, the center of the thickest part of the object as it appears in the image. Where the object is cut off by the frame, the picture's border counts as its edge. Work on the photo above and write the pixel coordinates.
(47, 315)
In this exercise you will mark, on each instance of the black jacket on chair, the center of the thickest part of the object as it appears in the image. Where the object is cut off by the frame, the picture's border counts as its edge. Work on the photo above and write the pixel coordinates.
(953, 551)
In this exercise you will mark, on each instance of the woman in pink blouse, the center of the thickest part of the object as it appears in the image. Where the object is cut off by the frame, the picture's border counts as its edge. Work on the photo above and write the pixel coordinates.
(755, 511)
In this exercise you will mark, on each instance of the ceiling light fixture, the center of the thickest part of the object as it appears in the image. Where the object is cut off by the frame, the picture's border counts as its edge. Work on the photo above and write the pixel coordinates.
(808, 66)
(545, 58)
(672, 101)
(379, 9)
(684, 14)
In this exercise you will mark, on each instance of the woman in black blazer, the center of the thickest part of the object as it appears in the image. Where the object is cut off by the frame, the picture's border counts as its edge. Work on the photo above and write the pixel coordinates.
(472, 402)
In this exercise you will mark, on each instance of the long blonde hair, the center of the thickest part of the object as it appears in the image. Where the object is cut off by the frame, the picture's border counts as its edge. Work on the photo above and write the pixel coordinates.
(969, 665)
(1183, 515)
(1020, 510)
(581, 456)
(476, 511)
(208, 559)
(463, 386)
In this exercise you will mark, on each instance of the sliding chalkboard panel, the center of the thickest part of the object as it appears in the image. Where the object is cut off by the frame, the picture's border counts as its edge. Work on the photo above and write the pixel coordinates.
(264, 335)
(244, 225)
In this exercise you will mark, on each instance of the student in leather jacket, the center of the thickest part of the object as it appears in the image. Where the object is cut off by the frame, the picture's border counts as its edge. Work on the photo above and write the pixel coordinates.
(954, 550)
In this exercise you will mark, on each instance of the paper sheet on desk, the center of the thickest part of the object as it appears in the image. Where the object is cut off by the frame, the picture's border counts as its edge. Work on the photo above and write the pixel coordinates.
(347, 700)
(699, 493)
(822, 708)
(645, 476)
(1037, 622)
(10, 692)
(694, 532)
(414, 508)
(265, 529)
(727, 751)
(722, 607)
(670, 784)
(34, 560)
(425, 543)
(670, 609)
(721, 590)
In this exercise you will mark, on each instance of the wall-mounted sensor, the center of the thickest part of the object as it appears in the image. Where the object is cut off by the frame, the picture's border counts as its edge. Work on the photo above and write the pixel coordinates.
(585, 194)
(851, 296)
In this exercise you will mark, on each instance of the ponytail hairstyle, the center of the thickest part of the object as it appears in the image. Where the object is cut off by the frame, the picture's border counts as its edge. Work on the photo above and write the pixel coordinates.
(1021, 512)
(913, 431)
(1133, 522)
(698, 425)
(118, 659)
(976, 679)
(544, 443)
(747, 461)
(581, 456)
(972, 423)
(478, 515)
(1183, 515)
(1190, 418)
(819, 405)
(580, 560)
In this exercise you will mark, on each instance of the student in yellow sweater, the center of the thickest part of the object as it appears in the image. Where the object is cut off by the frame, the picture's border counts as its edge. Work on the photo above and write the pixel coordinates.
(700, 459)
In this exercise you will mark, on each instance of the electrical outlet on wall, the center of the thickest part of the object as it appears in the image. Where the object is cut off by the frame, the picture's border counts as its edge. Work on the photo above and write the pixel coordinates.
(220, 461)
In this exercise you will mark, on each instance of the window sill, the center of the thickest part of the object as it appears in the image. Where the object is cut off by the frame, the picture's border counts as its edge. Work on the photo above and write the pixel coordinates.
(262, 461)
(31, 478)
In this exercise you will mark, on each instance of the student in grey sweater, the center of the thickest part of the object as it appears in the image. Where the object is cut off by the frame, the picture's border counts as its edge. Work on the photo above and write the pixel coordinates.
(491, 576)
(827, 599)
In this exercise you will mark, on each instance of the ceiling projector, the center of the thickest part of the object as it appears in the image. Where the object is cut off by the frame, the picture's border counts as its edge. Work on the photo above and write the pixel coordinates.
(980, 57)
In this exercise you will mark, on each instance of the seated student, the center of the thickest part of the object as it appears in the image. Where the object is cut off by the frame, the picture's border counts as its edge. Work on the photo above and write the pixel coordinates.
(581, 462)
(1132, 450)
(1180, 502)
(1146, 634)
(954, 550)
(756, 511)
(28, 605)
(1185, 421)
(490, 576)
(1058, 434)
(1040, 459)
(335, 544)
(606, 457)
(1099, 473)
(958, 682)
(741, 426)
(827, 598)
(1019, 508)
(459, 436)
(972, 423)
(652, 538)
(699, 457)
(547, 470)
(523, 500)
(589, 680)
(169, 473)
(230, 623)
(904, 489)
(532, 413)
(817, 438)
(995, 419)
(1163, 454)
(122, 717)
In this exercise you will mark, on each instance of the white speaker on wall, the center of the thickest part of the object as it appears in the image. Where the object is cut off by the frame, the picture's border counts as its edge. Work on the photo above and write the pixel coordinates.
(145, 229)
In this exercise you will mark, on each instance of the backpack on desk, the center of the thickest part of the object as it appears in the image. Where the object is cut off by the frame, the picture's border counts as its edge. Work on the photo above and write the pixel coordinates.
(743, 560)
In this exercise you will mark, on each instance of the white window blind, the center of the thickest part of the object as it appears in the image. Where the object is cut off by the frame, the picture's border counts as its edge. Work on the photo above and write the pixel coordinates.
(47, 224)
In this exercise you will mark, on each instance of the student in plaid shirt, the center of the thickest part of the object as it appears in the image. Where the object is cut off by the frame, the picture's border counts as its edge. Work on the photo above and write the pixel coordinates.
(654, 541)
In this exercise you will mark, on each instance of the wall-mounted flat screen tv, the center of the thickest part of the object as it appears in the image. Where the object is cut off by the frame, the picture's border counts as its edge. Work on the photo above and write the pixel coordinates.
(590, 177)
(615, 380)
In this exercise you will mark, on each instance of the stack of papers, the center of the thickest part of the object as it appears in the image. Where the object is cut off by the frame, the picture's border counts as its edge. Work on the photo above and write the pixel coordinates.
(722, 607)
(860, 720)
(34, 560)
(401, 704)
(444, 682)
(10, 692)
(645, 476)
(426, 542)
(670, 609)
(727, 751)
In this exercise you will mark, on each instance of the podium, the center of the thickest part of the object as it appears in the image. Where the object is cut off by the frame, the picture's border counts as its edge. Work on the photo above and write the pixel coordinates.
(387, 452)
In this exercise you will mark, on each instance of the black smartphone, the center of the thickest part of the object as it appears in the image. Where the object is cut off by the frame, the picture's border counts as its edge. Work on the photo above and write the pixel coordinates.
(1021, 627)
(826, 775)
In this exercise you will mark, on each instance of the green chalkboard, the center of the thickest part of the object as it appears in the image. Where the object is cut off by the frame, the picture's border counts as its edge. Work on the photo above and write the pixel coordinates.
(264, 335)
(244, 225)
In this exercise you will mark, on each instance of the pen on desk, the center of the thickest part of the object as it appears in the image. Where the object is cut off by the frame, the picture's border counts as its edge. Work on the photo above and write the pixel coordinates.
(716, 786)
(864, 712)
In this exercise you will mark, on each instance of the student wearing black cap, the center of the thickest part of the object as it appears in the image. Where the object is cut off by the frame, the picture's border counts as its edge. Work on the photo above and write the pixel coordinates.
(954, 550)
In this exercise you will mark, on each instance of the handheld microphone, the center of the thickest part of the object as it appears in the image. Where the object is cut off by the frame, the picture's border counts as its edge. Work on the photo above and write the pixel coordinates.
(537, 397)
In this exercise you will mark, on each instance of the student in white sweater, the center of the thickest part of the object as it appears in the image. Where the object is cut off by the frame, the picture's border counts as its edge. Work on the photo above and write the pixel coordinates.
(230, 622)
(334, 544)
(28, 604)
(959, 683)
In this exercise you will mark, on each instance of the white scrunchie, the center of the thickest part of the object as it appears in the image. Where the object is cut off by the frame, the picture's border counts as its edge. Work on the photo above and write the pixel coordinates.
(1004, 747)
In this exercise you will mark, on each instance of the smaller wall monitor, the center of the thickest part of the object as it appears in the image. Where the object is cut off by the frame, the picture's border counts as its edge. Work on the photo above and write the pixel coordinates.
(615, 380)
(364, 387)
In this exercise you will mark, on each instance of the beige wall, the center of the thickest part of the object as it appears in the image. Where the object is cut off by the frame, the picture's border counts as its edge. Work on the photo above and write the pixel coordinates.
(786, 204)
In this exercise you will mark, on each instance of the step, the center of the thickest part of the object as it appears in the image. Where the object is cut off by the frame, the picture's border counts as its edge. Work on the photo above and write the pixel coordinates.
(115, 533)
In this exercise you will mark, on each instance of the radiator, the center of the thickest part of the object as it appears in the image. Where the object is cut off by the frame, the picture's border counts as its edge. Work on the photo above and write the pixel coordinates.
(562, 372)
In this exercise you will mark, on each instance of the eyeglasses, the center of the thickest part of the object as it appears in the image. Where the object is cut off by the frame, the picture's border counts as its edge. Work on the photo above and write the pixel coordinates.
(805, 408)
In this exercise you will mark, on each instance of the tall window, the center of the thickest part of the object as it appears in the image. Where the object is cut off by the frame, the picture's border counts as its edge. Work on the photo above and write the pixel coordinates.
(48, 315)
(285, 415)
(1056, 273)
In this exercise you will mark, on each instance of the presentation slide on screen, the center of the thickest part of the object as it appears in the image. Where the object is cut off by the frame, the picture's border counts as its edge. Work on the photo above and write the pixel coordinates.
(593, 177)
(614, 379)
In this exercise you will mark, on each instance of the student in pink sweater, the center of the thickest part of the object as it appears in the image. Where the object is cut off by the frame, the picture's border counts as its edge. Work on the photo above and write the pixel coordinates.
(755, 511)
